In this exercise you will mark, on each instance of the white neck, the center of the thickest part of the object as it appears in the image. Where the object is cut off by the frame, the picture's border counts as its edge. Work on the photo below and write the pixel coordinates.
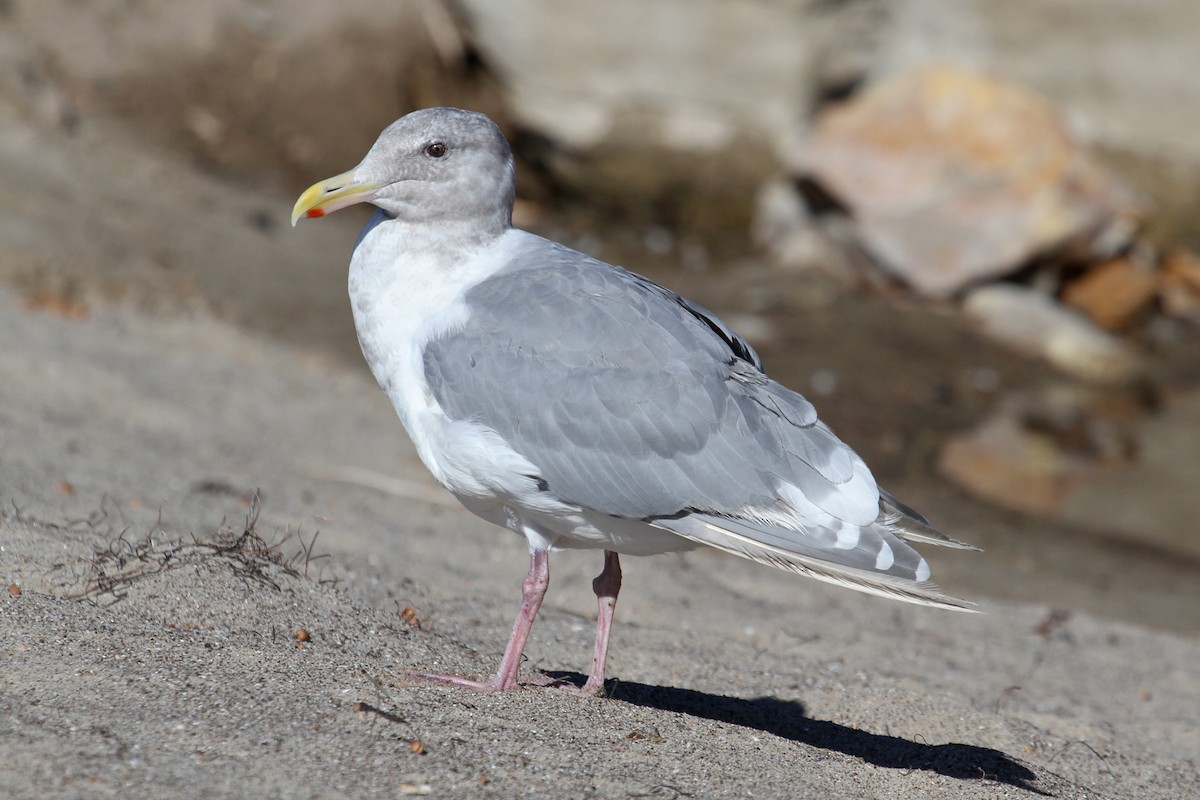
(407, 283)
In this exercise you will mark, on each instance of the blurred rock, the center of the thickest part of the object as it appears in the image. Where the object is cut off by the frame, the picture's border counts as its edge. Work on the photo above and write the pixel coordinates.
(683, 74)
(570, 67)
(822, 248)
(1135, 501)
(954, 177)
(795, 240)
(779, 210)
(1007, 464)
(1124, 73)
(1180, 287)
(1032, 323)
(1041, 446)
(653, 104)
(1114, 293)
(1095, 459)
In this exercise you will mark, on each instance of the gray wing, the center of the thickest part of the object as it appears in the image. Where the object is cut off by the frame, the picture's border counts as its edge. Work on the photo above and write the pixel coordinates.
(636, 403)
(628, 400)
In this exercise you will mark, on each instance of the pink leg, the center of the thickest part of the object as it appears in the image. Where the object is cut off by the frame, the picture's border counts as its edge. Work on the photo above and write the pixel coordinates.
(606, 586)
(533, 589)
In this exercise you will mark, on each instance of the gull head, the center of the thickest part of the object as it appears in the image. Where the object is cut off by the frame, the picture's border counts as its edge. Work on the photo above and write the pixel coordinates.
(434, 165)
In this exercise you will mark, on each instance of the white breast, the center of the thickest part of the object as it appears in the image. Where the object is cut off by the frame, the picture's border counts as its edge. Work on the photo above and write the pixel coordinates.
(406, 290)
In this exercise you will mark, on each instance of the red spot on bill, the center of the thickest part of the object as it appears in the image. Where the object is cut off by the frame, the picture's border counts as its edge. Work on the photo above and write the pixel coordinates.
(313, 213)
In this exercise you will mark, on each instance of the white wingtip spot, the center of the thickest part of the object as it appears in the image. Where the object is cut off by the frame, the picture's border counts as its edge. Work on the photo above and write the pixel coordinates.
(847, 537)
(885, 558)
(923, 570)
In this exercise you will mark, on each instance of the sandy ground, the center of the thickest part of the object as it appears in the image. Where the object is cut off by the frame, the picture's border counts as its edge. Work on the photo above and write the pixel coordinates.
(151, 648)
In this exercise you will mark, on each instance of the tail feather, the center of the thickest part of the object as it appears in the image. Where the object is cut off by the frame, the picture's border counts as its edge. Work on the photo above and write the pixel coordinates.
(911, 525)
(759, 541)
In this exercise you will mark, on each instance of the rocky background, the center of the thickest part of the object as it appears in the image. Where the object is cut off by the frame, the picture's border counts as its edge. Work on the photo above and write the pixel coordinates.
(966, 230)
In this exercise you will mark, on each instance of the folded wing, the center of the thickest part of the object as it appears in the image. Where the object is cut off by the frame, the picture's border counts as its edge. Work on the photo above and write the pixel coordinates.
(636, 403)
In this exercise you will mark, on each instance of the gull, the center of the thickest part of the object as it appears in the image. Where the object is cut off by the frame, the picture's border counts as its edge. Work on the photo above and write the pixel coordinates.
(583, 406)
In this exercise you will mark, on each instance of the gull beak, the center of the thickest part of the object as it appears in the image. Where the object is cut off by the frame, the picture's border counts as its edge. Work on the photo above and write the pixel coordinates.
(331, 194)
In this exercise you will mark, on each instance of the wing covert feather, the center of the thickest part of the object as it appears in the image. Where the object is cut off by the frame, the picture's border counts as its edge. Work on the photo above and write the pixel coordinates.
(630, 400)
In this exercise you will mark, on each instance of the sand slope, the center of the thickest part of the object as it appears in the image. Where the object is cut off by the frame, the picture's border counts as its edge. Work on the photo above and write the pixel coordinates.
(150, 653)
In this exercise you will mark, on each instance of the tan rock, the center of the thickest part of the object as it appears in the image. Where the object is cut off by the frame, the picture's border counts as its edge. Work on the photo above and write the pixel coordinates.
(1114, 293)
(1038, 448)
(1179, 286)
(1107, 462)
(955, 177)
(1007, 464)
(1185, 266)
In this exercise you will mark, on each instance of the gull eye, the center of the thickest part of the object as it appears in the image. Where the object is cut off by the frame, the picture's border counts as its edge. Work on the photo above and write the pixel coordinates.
(436, 149)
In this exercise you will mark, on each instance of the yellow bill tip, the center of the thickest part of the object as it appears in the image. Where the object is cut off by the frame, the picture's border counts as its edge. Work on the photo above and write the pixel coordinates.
(331, 194)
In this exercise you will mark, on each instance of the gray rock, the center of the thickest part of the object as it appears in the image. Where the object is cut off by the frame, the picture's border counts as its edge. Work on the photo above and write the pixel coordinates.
(1033, 323)
(697, 73)
(687, 74)
(676, 103)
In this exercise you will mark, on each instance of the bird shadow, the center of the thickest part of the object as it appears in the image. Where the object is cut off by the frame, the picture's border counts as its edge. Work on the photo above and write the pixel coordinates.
(787, 719)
